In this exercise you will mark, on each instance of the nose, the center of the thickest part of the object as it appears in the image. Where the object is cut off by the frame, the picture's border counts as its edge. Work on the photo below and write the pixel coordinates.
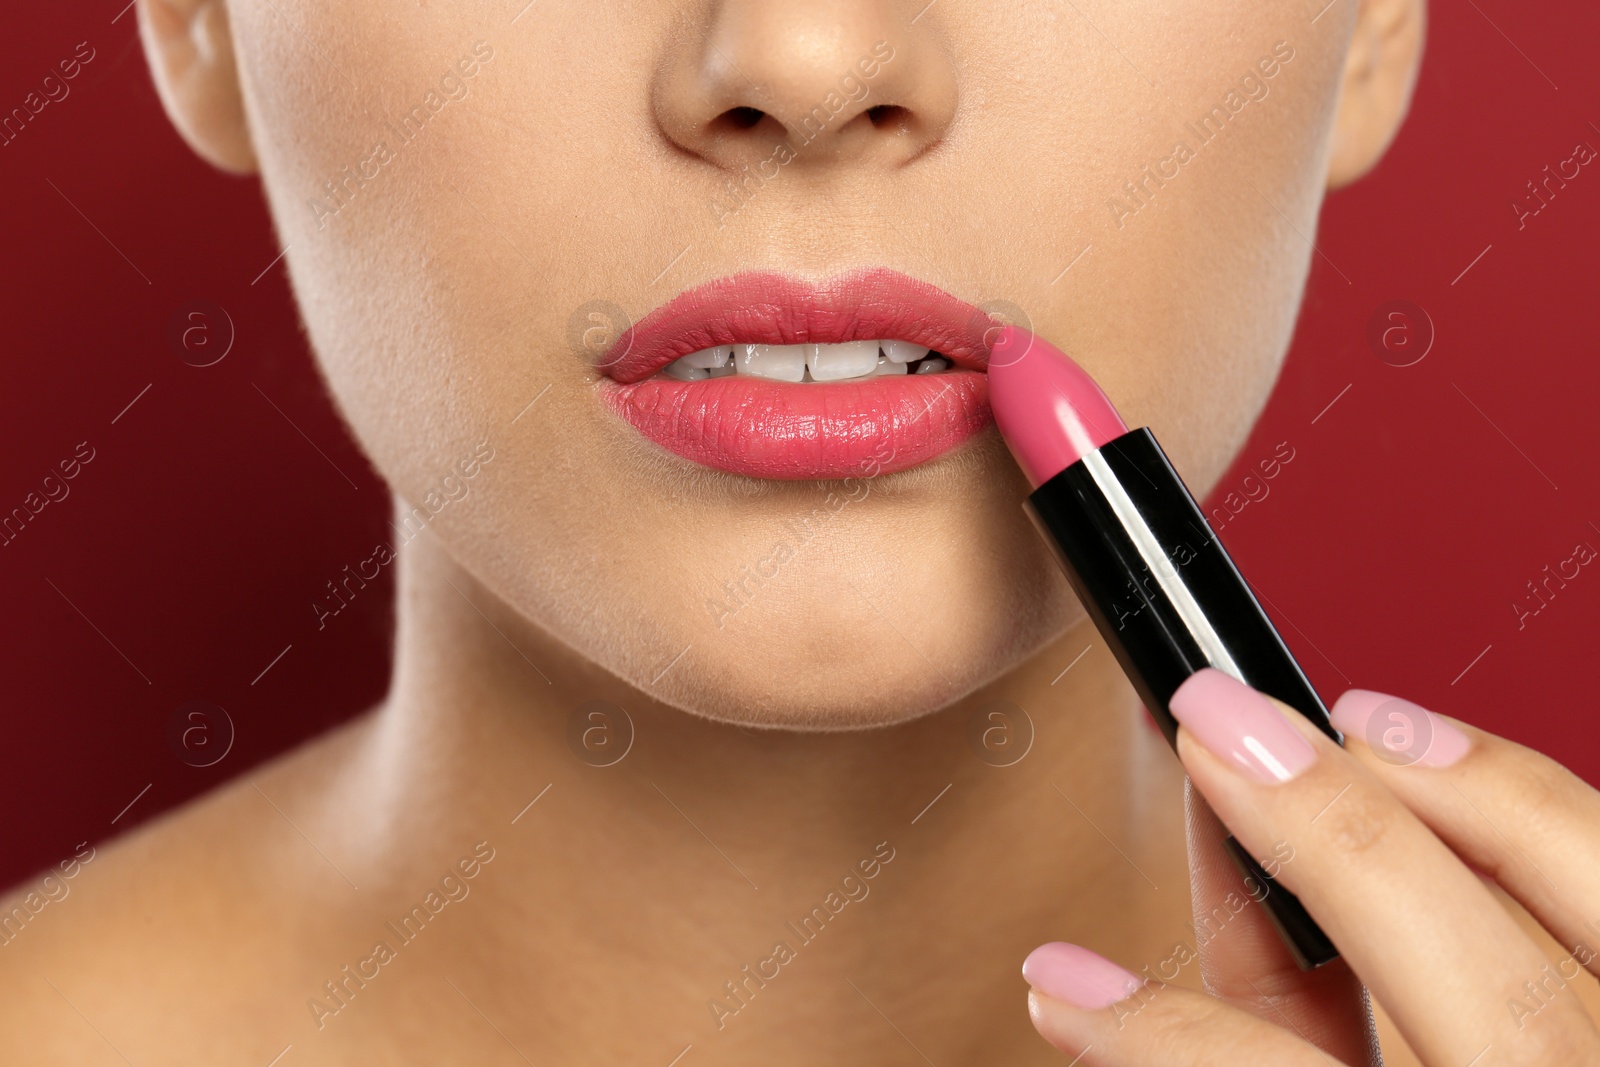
(836, 81)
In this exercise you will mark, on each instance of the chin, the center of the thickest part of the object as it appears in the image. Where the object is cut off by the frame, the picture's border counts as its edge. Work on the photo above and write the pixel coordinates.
(856, 655)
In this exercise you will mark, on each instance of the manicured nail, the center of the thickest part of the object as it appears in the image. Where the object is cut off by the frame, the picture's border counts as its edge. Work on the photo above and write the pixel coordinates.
(1399, 731)
(1077, 976)
(1241, 726)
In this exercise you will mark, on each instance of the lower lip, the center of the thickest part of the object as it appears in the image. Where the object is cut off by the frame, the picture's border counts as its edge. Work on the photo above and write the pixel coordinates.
(829, 430)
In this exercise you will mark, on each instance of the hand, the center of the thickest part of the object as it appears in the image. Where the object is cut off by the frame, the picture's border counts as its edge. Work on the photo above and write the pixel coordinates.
(1380, 841)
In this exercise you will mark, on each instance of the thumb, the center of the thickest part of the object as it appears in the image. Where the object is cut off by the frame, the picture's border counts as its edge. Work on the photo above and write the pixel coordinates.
(1243, 960)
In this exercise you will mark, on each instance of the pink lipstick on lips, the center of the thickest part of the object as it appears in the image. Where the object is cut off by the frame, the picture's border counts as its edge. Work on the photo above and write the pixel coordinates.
(1134, 544)
(791, 429)
(1054, 413)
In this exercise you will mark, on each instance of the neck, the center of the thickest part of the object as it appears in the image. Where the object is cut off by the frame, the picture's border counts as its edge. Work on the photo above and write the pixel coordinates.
(733, 883)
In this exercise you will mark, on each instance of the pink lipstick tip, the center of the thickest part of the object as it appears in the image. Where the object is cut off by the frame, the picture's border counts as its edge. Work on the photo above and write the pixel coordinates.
(1048, 409)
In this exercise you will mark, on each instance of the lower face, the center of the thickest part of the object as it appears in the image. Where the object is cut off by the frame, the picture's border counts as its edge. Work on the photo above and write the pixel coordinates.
(582, 256)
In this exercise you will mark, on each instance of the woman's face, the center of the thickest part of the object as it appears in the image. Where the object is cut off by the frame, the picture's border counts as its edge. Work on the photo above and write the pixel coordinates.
(477, 198)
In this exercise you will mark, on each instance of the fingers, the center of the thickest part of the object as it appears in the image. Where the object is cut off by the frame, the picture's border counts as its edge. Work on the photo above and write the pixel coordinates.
(1095, 1011)
(1422, 931)
(1512, 813)
(1243, 960)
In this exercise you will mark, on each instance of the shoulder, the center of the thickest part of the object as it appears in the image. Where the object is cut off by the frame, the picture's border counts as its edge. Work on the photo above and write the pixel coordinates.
(114, 950)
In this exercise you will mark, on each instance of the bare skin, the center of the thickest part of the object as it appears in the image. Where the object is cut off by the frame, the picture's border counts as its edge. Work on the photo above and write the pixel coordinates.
(562, 942)
(615, 909)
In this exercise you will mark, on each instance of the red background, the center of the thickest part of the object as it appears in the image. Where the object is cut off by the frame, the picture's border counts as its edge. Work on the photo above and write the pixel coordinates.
(1390, 549)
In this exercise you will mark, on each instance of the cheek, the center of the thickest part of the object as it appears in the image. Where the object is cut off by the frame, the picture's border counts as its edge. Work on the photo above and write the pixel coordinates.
(1193, 299)
(439, 255)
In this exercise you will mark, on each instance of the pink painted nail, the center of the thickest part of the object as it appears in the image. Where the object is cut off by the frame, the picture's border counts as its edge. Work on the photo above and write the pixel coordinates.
(1399, 731)
(1077, 976)
(1241, 726)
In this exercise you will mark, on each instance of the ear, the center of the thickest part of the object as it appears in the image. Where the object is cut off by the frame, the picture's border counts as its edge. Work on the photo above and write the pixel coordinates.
(190, 50)
(1379, 73)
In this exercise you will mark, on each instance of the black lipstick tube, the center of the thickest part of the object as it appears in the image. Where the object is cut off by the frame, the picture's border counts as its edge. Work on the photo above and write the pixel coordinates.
(1169, 601)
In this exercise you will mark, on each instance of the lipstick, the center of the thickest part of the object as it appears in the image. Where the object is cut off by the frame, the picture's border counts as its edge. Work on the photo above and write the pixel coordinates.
(1134, 544)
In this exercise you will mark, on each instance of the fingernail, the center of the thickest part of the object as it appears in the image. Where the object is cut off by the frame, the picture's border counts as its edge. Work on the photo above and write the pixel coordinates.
(1076, 975)
(1241, 726)
(1399, 731)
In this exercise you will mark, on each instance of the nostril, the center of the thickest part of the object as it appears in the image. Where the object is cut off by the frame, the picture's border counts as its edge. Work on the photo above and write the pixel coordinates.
(888, 115)
(741, 118)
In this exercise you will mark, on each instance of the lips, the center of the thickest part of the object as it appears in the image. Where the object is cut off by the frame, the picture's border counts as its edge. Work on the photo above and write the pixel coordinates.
(762, 428)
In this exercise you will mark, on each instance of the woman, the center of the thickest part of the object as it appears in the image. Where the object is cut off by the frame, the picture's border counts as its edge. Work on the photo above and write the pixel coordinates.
(706, 742)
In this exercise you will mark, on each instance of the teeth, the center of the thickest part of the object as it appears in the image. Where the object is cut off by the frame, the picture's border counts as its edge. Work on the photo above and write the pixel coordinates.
(784, 363)
(903, 351)
(680, 369)
(808, 362)
(852, 359)
(709, 358)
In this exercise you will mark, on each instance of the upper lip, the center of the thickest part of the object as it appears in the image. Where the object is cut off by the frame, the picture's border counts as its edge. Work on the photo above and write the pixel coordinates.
(767, 307)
